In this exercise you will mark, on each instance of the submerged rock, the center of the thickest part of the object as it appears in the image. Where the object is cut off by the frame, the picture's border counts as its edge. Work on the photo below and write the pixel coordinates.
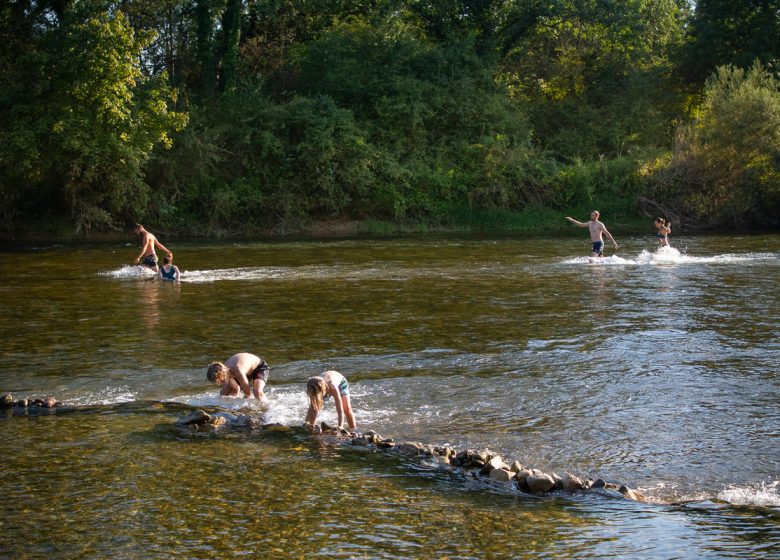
(194, 418)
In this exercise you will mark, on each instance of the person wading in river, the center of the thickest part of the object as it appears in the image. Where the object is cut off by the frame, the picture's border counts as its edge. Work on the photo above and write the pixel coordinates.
(663, 229)
(597, 230)
(148, 244)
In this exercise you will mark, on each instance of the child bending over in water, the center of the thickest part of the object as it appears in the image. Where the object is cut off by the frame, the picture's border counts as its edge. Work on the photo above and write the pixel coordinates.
(236, 374)
(330, 383)
(664, 228)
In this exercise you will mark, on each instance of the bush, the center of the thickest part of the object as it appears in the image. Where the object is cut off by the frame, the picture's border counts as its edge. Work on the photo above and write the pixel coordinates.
(724, 169)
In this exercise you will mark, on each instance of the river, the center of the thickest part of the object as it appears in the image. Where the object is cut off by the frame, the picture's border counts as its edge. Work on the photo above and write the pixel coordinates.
(654, 369)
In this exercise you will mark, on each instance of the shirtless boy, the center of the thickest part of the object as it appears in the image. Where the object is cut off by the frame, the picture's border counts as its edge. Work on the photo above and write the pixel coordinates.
(243, 372)
(148, 244)
(597, 230)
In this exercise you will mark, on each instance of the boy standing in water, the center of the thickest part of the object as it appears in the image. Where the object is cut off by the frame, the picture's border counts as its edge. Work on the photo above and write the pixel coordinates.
(237, 373)
(330, 383)
(596, 229)
(148, 244)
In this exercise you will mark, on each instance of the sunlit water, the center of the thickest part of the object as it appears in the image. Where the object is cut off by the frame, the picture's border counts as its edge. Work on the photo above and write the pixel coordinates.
(657, 369)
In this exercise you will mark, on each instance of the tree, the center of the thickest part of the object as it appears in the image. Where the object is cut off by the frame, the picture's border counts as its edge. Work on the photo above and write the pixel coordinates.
(726, 165)
(85, 121)
(723, 32)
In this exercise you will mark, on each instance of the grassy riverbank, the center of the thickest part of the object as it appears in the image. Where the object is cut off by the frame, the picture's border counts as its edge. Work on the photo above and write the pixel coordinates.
(621, 217)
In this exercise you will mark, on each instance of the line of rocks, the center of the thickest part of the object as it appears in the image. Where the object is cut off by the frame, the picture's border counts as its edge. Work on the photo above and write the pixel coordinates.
(8, 401)
(484, 464)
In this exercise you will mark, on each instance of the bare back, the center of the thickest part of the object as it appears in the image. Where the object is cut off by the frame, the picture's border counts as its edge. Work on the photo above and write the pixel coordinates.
(148, 244)
(243, 362)
(332, 378)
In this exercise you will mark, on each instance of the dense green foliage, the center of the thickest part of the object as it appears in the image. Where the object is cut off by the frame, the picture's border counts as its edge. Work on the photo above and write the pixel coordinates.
(218, 116)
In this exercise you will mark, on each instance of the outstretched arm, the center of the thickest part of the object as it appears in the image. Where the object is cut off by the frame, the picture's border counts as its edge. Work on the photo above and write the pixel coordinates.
(576, 223)
(161, 246)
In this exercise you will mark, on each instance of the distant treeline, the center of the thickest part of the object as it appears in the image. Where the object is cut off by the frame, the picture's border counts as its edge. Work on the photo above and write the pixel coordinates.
(215, 116)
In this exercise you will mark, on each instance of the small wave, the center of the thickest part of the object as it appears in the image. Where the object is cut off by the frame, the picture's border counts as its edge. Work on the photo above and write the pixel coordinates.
(129, 271)
(670, 255)
(765, 495)
(106, 396)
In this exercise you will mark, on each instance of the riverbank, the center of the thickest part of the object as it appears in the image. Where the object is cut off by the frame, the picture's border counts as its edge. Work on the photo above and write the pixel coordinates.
(621, 217)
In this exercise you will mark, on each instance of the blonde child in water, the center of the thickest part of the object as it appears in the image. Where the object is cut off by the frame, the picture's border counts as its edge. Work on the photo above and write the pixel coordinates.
(330, 383)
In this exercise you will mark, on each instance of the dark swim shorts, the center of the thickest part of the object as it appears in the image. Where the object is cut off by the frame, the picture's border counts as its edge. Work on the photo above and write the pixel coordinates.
(260, 372)
(150, 260)
(598, 248)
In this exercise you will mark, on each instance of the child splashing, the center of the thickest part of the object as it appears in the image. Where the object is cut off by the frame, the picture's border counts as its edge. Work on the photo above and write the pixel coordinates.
(663, 229)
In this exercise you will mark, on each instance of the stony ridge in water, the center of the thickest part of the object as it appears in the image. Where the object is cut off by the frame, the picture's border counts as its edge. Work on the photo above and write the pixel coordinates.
(483, 464)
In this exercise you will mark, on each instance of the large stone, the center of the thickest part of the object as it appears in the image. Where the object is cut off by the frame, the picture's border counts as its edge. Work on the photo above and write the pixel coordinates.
(197, 417)
(631, 494)
(571, 482)
(540, 482)
(502, 475)
(409, 448)
(524, 473)
(495, 463)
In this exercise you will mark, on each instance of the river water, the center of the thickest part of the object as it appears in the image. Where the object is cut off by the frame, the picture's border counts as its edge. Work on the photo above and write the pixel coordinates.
(658, 370)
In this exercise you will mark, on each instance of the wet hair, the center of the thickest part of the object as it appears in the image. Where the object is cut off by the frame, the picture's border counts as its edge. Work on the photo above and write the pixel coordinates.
(663, 222)
(315, 390)
(217, 372)
(167, 259)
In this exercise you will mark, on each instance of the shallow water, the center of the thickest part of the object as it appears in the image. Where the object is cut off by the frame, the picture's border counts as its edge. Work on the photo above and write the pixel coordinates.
(654, 369)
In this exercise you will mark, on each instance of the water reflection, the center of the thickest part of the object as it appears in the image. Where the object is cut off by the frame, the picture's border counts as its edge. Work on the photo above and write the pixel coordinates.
(658, 374)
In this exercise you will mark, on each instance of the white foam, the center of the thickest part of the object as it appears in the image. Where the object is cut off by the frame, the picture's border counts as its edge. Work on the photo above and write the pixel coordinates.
(107, 395)
(765, 495)
(129, 271)
(670, 255)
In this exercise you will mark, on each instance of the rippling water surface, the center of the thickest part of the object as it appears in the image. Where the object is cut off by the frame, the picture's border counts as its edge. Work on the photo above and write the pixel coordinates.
(654, 369)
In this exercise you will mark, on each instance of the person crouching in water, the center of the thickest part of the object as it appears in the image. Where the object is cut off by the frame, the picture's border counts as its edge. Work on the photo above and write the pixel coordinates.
(330, 383)
(169, 271)
(237, 373)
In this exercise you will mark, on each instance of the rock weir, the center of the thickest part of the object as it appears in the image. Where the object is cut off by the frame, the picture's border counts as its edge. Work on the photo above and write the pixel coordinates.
(8, 401)
(483, 465)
